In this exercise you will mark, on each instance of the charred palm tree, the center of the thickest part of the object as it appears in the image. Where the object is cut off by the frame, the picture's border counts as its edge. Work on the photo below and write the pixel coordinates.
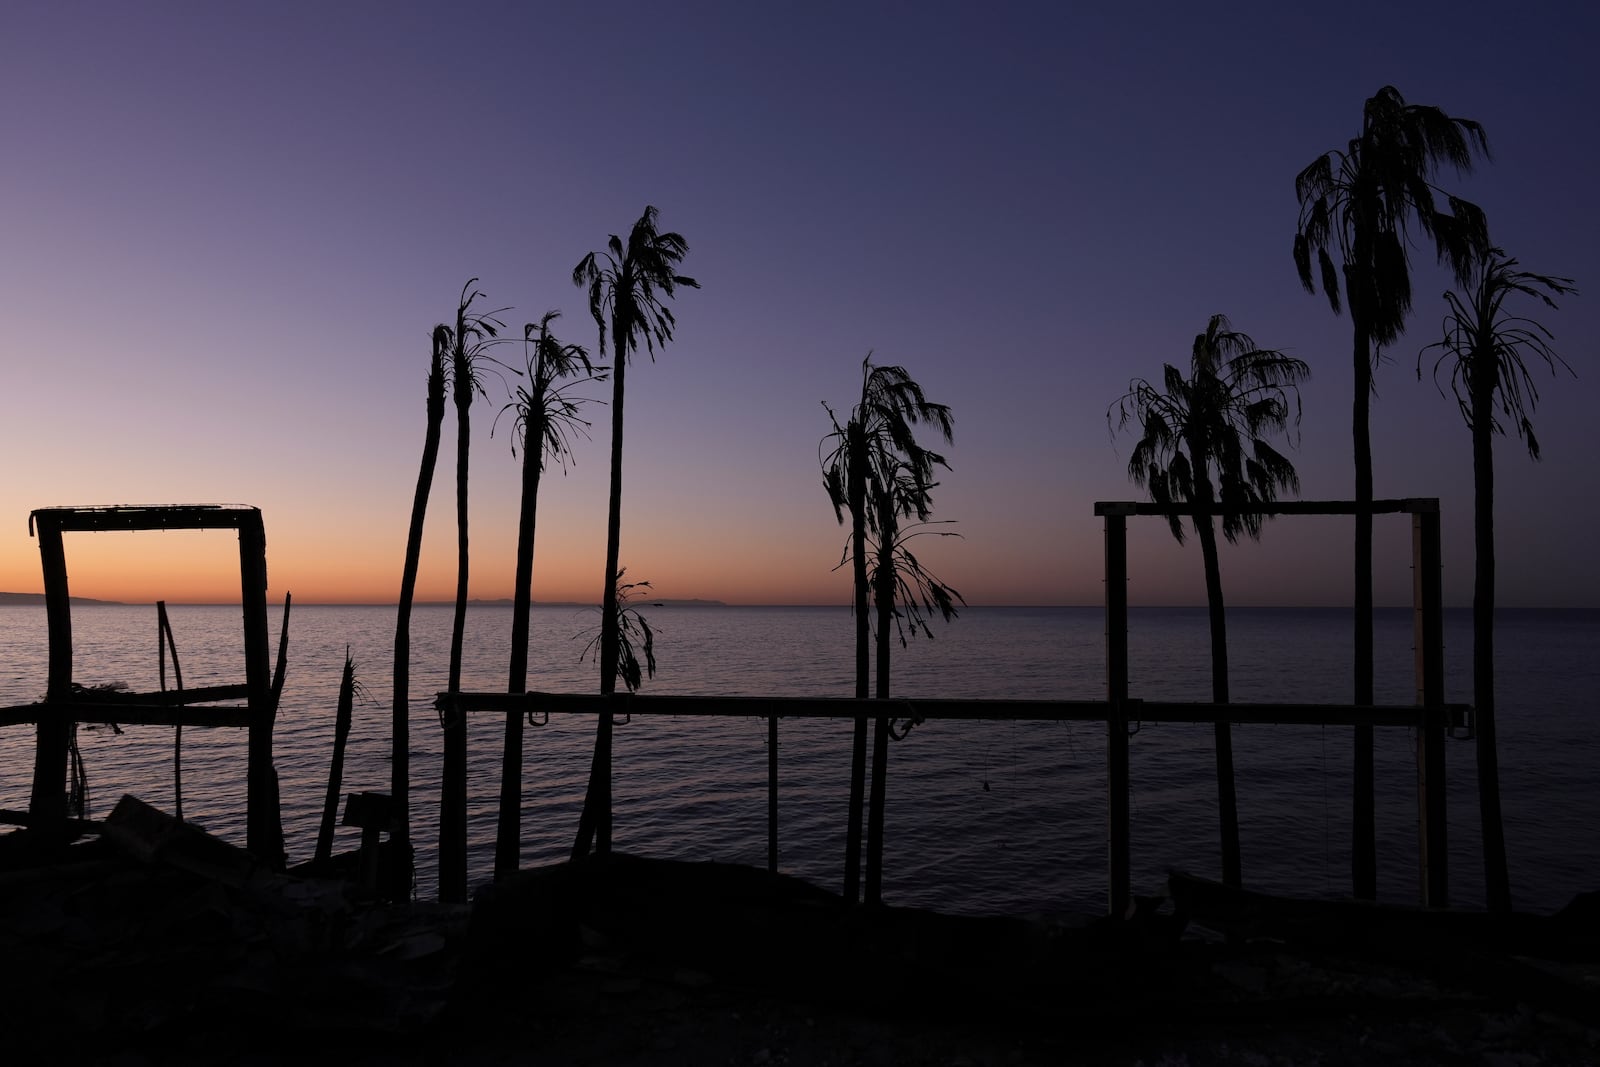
(1203, 443)
(470, 341)
(546, 418)
(1484, 346)
(1361, 205)
(877, 438)
(628, 286)
(400, 770)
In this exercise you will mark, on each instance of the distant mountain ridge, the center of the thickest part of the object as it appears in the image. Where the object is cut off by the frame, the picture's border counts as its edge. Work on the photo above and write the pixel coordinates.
(19, 599)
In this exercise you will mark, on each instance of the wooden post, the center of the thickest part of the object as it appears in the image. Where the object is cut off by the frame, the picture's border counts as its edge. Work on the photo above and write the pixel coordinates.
(1433, 856)
(772, 793)
(508, 827)
(1117, 811)
(48, 805)
(453, 808)
(263, 820)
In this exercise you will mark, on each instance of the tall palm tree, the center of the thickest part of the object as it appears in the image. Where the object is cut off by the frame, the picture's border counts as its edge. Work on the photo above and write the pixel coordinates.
(1203, 442)
(864, 447)
(628, 285)
(1485, 346)
(400, 768)
(1361, 204)
(546, 418)
(470, 340)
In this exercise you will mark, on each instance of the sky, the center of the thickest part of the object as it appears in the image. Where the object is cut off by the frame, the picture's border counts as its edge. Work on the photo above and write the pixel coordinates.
(229, 228)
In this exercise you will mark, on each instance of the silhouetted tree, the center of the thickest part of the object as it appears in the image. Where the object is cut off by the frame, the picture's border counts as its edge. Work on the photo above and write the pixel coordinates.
(627, 285)
(1203, 443)
(1484, 346)
(546, 417)
(400, 743)
(875, 441)
(470, 341)
(1360, 204)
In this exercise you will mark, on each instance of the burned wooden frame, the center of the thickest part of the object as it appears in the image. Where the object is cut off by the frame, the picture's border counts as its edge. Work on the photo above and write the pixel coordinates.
(64, 704)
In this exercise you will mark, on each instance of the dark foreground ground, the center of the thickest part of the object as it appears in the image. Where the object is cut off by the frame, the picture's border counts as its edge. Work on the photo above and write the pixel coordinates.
(151, 947)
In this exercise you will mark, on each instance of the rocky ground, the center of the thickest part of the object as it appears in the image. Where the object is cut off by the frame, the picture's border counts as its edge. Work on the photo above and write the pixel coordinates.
(151, 949)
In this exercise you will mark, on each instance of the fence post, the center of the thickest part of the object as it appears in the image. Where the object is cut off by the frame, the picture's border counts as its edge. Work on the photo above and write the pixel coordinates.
(48, 804)
(263, 819)
(772, 793)
(1433, 857)
(1117, 813)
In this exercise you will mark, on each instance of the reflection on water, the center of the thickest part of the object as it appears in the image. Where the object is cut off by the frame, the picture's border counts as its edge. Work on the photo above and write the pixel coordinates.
(990, 817)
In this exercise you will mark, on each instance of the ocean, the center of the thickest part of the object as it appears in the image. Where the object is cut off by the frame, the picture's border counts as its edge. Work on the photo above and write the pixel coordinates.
(982, 817)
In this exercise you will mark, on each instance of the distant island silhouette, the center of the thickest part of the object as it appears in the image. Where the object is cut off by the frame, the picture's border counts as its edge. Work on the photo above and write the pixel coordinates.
(16, 599)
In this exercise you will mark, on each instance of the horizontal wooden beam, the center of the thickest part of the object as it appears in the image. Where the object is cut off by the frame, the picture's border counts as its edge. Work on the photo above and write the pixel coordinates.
(943, 708)
(172, 697)
(146, 517)
(127, 714)
(1420, 505)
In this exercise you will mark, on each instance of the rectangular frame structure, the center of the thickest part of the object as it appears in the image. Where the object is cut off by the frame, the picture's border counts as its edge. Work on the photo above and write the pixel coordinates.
(1431, 712)
(62, 706)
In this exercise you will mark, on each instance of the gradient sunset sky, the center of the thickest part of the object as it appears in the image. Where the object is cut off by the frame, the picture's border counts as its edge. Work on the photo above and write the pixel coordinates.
(229, 228)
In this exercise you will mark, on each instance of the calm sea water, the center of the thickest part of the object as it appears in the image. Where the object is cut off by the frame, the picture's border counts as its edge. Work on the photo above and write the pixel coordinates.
(982, 817)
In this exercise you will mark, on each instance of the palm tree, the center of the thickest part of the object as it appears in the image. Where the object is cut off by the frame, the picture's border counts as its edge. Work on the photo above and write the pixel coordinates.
(1361, 204)
(1485, 346)
(400, 772)
(546, 416)
(878, 428)
(626, 284)
(1203, 443)
(474, 334)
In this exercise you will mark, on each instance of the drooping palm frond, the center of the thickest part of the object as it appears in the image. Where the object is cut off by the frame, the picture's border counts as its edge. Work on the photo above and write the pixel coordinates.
(1203, 436)
(1359, 205)
(546, 413)
(468, 343)
(1485, 346)
(635, 637)
(879, 436)
(627, 285)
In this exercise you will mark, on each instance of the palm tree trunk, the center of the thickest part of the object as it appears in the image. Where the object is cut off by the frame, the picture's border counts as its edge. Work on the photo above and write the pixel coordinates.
(1496, 875)
(883, 594)
(594, 824)
(1363, 836)
(508, 835)
(452, 793)
(856, 490)
(1227, 799)
(400, 743)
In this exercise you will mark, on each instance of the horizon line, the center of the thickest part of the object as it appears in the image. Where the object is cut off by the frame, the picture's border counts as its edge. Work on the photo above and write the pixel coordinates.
(666, 602)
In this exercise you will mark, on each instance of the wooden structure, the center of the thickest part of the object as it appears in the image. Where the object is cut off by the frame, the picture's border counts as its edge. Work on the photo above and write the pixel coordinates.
(66, 704)
(1430, 717)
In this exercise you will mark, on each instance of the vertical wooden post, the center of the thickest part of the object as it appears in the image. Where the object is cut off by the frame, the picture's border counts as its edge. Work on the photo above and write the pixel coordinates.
(453, 808)
(1433, 856)
(263, 820)
(48, 804)
(772, 793)
(1117, 811)
(508, 827)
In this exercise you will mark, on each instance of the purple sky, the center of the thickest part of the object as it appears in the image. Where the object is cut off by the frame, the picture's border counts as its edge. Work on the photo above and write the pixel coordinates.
(229, 228)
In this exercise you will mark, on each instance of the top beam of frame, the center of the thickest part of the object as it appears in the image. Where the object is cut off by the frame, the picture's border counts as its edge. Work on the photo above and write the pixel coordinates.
(1415, 505)
(146, 517)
